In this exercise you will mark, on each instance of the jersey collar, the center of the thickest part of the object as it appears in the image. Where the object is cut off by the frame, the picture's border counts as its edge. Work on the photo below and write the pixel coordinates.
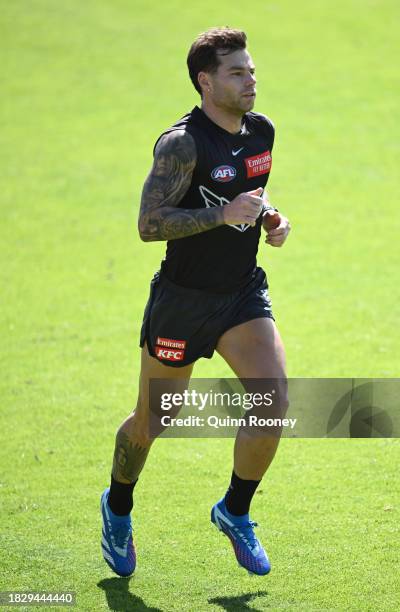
(202, 118)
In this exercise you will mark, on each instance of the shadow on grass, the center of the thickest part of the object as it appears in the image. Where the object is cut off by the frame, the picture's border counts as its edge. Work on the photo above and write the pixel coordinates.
(238, 603)
(120, 599)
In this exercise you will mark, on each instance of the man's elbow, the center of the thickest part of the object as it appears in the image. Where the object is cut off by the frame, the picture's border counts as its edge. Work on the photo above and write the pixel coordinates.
(145, 237)
(144, 231)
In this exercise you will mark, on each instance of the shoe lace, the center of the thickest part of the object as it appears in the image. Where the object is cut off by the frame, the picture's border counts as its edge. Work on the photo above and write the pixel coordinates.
(247, 532)
(121, 534)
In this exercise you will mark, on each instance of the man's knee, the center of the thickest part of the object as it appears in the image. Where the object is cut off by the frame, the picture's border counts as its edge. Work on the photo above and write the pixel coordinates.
(274, 390)
(281, 396)
(284, 398)
(265, 418)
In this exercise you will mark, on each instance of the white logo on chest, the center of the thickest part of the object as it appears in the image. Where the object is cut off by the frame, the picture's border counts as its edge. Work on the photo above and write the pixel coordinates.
(211, 199)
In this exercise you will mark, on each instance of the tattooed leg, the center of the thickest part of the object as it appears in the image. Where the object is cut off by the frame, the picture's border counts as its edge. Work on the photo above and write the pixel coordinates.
(129, 458)
(133, 441)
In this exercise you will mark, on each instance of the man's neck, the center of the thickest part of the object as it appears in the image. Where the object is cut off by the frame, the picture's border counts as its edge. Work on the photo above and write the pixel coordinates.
(228, 121)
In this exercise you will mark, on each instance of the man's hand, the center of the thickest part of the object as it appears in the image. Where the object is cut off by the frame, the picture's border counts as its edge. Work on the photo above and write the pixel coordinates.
(245, 208)
(276, 237)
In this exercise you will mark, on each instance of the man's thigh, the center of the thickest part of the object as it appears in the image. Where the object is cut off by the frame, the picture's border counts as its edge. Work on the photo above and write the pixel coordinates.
(255, 352)
(254, 349)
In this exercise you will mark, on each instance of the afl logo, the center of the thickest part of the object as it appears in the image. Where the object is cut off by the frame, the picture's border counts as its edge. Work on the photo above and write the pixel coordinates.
(223, 174)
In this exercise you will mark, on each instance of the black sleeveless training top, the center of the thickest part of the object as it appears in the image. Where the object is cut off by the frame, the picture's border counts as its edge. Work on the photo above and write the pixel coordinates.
(223, 259)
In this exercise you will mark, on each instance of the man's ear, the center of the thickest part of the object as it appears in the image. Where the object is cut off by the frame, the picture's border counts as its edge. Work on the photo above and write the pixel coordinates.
(204, 81)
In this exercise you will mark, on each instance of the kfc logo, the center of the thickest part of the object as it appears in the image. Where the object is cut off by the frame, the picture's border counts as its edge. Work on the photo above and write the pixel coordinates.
(169, 354)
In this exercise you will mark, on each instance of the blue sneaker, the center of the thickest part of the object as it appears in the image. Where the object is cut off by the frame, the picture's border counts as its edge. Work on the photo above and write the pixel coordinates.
(248, 550)
(116, 542)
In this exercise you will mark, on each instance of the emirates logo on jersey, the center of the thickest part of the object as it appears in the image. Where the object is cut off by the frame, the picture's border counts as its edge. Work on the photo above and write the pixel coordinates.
(258, 164)
(223, 174)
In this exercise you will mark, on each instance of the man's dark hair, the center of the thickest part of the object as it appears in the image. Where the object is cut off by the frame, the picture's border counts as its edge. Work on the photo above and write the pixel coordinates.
(203, 55)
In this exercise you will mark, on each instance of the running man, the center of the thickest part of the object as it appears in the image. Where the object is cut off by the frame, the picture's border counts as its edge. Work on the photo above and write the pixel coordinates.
(204, 196)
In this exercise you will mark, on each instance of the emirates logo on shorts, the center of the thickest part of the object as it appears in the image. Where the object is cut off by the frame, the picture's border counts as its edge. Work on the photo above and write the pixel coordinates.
(170, 349)
(169, 342)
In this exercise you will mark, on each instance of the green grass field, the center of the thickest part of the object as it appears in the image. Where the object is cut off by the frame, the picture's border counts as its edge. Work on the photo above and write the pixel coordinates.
(86, 89)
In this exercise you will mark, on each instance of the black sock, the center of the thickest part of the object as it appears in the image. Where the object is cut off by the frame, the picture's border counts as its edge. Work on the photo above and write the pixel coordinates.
(239, 495)
(120, 497)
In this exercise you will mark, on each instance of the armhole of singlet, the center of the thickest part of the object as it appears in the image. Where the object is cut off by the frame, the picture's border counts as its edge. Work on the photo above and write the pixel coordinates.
(268, 126)
(196, 144)
(175, 129)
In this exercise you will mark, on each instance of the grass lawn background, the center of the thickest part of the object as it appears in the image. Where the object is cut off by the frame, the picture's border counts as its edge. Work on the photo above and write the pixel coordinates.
(86, 90)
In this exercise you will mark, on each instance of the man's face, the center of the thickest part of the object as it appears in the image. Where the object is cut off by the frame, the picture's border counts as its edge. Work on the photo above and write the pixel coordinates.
(233, 84)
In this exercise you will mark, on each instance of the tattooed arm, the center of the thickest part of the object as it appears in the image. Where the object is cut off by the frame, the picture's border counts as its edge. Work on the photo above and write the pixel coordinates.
(167, 183)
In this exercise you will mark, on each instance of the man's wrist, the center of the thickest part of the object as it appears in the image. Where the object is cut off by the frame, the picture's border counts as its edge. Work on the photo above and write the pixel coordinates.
(268, 207)
(221, 211)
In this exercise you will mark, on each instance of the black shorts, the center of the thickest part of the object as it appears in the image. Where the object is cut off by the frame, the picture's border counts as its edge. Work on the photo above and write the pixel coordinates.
(181, 325)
